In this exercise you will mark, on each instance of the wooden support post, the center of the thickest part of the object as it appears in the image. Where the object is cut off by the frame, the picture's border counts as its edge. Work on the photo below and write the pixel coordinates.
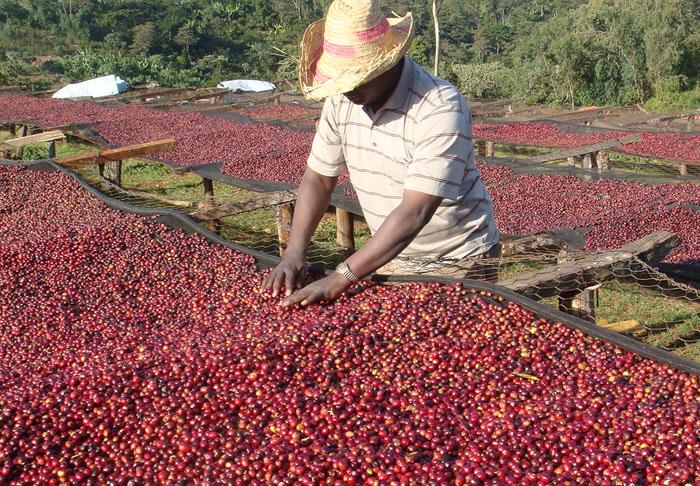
(578, 303)
(585, 303)
(208, 203)
(683, 169)
(490, 149)
(603, 160)
(571, 161)
(285, 213)
(52, 149)
(345, 234)
(23, 132)
(13, 129)
(587, 161)
(112, 171)
(480, 148)
(691, 123)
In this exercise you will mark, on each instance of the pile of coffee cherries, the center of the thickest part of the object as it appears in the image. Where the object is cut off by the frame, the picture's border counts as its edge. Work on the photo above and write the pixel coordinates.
(614, 211)
(260, 151)
(290, 112)
(130, 352)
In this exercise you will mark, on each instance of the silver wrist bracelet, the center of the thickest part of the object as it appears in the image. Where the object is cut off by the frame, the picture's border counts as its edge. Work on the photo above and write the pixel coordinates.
(345, 271)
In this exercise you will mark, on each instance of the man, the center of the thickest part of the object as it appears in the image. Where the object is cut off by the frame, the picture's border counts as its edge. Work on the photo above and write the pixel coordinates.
(404, 137)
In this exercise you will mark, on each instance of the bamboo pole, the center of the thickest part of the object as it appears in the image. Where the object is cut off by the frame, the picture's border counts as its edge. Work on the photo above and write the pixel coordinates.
(436, 23)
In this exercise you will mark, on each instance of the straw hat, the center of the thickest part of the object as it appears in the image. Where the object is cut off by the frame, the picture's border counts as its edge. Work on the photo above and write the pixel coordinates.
(354, 44)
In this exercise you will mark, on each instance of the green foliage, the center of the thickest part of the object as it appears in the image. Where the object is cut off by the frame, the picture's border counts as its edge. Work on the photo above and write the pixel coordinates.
(35, 152)
(673, 100)
(422, 52)
(11, 72)
(553, 51)
(143, 37)
(487, 80)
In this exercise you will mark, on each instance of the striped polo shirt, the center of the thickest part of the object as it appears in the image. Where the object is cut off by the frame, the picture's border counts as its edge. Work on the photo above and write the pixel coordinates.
(420, 140)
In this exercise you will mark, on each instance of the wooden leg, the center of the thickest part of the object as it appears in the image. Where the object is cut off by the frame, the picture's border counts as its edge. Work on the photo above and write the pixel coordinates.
(683, 169)
(285, 213)
(691, 123)
(588, 161)
(345, 234)
(480, 148)
(490, 149)
(603, 160)
(580, 304)
(585, 303)
(23, 132)
(208, 203)
(113, 172)
(52, 149)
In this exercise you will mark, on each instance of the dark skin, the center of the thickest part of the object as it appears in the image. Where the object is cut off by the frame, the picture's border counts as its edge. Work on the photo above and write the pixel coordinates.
(395, 234)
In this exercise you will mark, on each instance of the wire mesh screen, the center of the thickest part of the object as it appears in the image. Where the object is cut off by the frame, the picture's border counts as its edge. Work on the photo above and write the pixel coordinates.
(254, 219)
(618, 290)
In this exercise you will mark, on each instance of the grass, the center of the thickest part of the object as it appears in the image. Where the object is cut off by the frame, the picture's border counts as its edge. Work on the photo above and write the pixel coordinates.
(670, 323)
(255, 229)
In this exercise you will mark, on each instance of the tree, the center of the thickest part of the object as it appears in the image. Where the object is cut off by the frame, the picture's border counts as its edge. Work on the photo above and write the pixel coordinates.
(664, 40)
(144, 34)
(11, 9)
(186, 37)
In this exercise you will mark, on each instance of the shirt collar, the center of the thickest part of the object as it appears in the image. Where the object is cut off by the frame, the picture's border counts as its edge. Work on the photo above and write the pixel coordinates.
(398, 97)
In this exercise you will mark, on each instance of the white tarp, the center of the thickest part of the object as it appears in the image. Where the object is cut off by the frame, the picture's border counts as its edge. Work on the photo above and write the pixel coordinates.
(97, 88)
(246, 85)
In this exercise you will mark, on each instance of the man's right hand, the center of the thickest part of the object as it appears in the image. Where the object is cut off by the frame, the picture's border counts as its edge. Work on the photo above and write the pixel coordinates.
(290, 272)
(313, 197)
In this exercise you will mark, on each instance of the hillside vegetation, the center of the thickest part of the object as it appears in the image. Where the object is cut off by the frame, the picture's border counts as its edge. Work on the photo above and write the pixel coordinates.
(554, 51)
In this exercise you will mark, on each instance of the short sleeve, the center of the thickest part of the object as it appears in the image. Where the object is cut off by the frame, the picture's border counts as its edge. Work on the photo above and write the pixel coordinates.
(326, 156)
(443, 149)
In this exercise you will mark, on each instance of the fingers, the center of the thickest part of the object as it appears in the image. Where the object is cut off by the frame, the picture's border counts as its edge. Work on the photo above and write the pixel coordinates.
(267, 281)
(277, 282)
(296, 298)
(301, 277)
(313, 298)
(290, 277)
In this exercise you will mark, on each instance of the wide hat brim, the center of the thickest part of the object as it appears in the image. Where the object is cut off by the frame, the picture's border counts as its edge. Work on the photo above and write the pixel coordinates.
(348, 73)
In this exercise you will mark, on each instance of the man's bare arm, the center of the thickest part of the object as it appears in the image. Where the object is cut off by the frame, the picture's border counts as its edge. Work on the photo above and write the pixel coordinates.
(312, 202)
(399, 229)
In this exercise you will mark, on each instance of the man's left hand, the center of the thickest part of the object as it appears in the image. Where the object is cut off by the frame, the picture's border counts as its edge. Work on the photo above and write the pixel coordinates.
(327, 289)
